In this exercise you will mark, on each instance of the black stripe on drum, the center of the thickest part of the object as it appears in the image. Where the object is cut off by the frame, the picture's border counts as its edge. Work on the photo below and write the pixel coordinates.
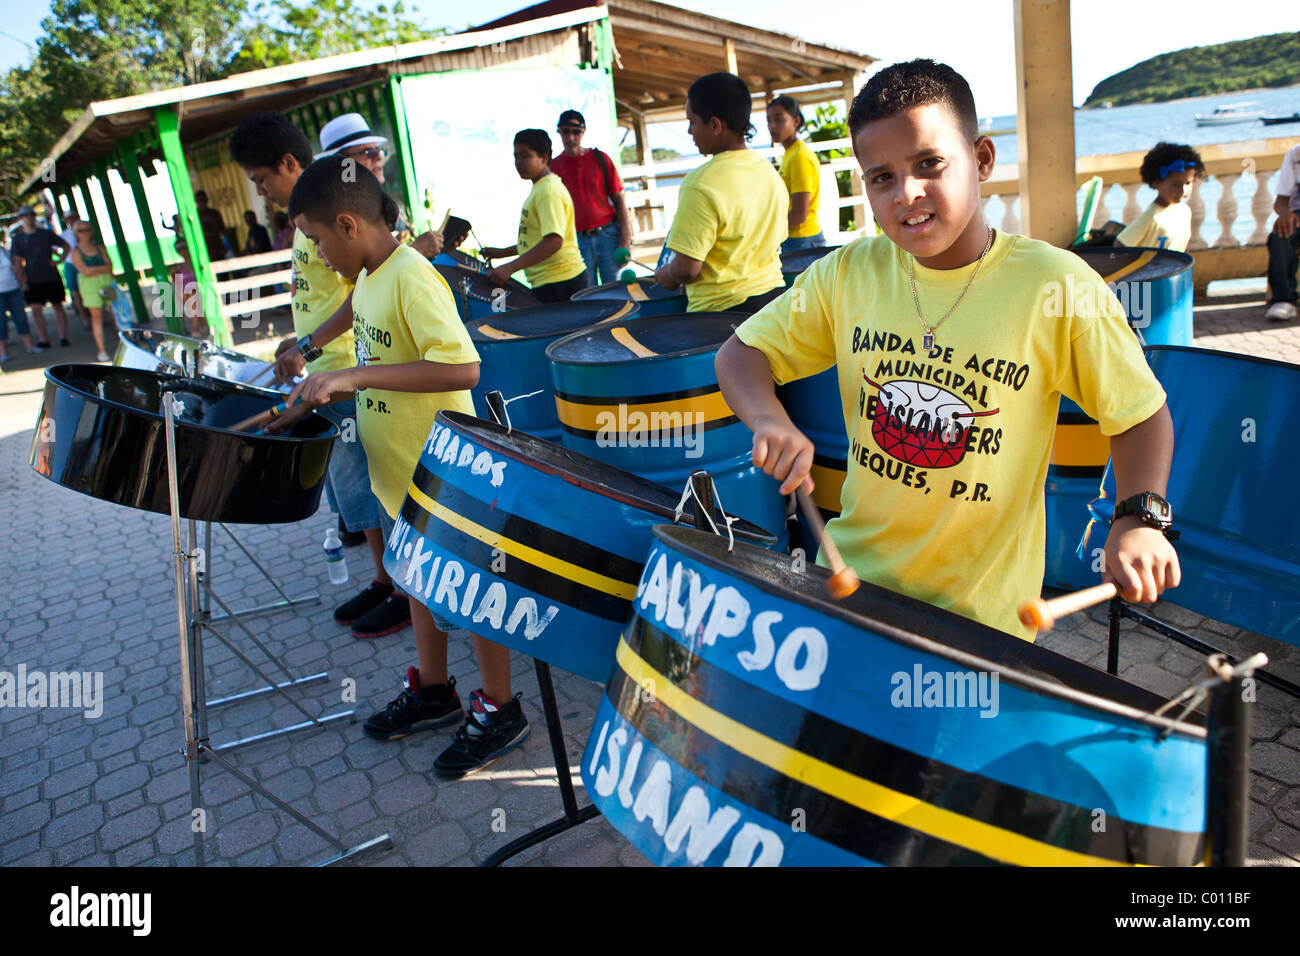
(616, 400)
(537, 536)
(749, 782)
(834, 464)
(594, 436)
(1078, 471)
(1074, 418)
(1036, 816)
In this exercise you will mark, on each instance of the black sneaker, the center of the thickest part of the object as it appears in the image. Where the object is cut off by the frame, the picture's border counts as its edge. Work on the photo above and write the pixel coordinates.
(416, 709)
(350, 539)
(369, 599)
(387, 618)
(64, 342)
(488, 732)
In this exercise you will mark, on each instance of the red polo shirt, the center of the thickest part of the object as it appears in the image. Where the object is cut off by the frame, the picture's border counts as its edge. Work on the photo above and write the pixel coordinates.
(584, 177)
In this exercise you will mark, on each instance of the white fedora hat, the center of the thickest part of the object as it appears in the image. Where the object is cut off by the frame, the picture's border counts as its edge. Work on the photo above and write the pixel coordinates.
(350, 129)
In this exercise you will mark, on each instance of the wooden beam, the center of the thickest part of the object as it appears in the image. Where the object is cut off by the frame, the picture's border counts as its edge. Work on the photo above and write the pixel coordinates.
(1045, 120)
(730, 48)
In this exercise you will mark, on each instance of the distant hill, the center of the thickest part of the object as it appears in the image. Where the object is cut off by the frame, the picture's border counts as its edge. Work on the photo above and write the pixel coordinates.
(1272, 60)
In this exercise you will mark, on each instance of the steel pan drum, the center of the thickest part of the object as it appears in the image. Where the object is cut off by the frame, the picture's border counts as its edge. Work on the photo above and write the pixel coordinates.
(476, 297)
(1155, 288)
(512, 354)
(101, 432)
(1231, 486)
(750, 721)
(454, 257)
(526, 543)
(794, 263)
(164, 352)
(650, 297)
(643, 396)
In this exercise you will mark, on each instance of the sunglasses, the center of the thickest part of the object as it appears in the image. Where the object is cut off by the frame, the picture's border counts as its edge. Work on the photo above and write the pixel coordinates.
(571, 129)
(371, 153)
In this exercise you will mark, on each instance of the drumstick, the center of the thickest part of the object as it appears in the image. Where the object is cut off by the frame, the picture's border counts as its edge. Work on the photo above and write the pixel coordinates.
(261, 418)
(1042, 615)
(844, 580)
(262, 374)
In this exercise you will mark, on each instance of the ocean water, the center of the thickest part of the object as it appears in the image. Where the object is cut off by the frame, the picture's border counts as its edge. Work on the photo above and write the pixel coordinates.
(1123, 129)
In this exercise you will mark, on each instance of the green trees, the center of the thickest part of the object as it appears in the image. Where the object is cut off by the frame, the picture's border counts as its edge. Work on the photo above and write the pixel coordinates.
(1204, 70)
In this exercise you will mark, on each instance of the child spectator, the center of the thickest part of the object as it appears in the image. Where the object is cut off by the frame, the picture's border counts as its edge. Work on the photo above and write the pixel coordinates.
(547, 249)
(730, 222)
(414, 357)
(952, 358)
(1170, 169)
(801, 173)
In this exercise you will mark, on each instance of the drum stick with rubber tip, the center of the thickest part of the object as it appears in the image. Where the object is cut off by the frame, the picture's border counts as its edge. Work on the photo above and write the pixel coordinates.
(1042, 615)
(844, 580)
(262, 418)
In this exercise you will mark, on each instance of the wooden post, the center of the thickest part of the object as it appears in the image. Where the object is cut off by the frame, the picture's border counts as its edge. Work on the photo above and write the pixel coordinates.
(1045, 120)
(855, 177)
(731, 56)
(645, 156)
(170, 139)
(129, 157)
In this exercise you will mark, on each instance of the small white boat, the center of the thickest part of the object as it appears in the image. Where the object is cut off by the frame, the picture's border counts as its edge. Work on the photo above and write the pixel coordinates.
(1227, 115)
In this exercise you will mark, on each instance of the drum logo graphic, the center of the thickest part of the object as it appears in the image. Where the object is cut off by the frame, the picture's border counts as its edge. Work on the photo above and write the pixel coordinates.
(921, 423)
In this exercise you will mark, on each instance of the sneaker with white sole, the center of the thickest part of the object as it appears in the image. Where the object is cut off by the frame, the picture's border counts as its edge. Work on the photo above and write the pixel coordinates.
(416, 708)
(1280, 312)
(489, 732)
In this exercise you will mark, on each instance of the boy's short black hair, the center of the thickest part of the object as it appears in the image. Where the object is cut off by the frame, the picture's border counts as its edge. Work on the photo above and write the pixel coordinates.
(903, 86)
(266, 138)
(339, 184)
(791, 106)
(1162, 155)
(538, 140)
(201, 194)
(725, 96)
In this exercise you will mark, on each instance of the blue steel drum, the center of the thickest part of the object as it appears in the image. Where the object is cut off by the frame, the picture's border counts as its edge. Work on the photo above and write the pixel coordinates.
(1234, 458)
(650, 297)
(1155, 288)
(643, 396)
(816, 408)
(476, 297)
(527, 543)
(454, 257)
(794, 263)
(751, 721)
(512, 355)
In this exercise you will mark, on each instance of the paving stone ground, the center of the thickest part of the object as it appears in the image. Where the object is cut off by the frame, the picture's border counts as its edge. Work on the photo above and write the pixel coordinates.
(88, 586)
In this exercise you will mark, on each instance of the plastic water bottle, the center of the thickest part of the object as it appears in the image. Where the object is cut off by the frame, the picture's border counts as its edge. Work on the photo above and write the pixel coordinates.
(334, 560)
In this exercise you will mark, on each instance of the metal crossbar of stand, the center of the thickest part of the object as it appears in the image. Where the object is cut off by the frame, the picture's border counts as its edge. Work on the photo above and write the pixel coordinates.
(1119, 609)
(193, 709)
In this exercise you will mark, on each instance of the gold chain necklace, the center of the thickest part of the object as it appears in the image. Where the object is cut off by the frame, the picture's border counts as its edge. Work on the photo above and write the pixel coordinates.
(927, 340)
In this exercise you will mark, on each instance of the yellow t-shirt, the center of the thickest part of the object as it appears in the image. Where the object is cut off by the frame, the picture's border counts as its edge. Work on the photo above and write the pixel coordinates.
(549, 209)
(318, 291)
(1160, 227)
(948, 450)
(801, 173)
(404, 312)
(731, 215)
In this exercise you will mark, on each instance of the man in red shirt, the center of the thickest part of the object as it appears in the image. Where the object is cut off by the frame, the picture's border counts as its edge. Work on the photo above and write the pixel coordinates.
(599, 211)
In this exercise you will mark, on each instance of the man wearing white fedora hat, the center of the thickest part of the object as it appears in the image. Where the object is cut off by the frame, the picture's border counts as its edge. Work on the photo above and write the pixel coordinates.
(350, 136)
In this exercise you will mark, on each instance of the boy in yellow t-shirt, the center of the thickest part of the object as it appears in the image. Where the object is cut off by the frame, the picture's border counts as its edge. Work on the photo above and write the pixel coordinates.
(801, 173)
(547, 249)
(730, 222)
(1170, 169)
(953, 346)
(414, 357)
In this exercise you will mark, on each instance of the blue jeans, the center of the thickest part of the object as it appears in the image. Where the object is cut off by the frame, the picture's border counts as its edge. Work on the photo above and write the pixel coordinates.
(12, 307)
(347, 483)
(803, 242)
(1282, 262)
(598, 253)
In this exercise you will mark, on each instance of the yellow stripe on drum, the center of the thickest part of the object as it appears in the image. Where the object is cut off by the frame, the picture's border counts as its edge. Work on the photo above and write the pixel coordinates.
(587, 417)
(624, 338)
(827, 485)
(636, 292)
(523, 552)
(496, 333)
(1133, 266)
(984, 838)
(1079, 446)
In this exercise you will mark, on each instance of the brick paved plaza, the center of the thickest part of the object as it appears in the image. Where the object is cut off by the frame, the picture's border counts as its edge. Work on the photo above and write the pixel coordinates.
(88, 586)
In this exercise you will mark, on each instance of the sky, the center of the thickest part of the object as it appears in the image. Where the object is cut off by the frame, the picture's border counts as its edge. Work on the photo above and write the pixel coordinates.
(975, 37)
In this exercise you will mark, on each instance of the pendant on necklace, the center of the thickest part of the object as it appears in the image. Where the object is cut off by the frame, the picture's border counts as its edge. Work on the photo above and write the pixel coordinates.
(927, 341)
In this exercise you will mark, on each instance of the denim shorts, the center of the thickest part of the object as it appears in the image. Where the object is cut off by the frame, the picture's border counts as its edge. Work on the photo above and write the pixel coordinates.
(795, 243)
(13, 307)
(386, 529)
(347, 485)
